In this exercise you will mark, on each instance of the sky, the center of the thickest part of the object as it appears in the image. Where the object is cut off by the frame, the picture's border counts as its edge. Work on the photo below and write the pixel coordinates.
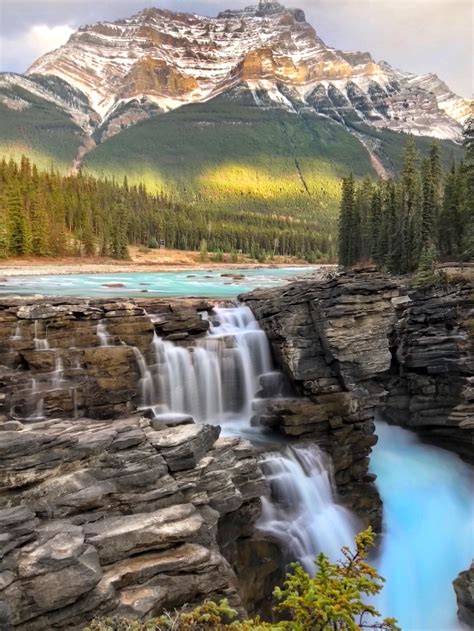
(415, 35)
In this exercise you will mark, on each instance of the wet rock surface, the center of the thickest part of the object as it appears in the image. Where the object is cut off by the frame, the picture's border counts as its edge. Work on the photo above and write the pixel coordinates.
(331, 339)
(431, 385)
(96, 518)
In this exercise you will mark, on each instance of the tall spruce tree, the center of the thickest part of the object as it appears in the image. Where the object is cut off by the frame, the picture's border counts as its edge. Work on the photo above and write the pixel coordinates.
(429, 209)
(377, 239)
(346, 222)
(19, 227)
(411, 208)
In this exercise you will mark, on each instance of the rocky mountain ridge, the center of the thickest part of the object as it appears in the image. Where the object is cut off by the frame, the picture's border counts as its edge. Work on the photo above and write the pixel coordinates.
(111, 75)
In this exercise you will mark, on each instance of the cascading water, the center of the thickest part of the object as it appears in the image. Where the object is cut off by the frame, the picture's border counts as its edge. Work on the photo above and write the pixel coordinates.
(41, 344)
(302, 513)
(102, 334)
(217, 380)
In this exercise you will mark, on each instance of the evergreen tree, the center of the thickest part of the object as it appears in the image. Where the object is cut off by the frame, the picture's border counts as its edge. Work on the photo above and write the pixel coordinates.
(429, 210)
(346, 222)
(19, 228)
(40, 233)
(411, 208)
(425, 274)
(377, 228)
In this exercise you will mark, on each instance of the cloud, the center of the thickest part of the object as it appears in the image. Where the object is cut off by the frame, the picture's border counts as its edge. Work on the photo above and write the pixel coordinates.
(37, 40)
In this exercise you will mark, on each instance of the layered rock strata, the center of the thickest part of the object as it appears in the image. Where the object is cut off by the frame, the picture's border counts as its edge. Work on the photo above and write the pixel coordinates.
(431, 385)
(464, 588)
(100, 518)
(76, 357)
(362, 342)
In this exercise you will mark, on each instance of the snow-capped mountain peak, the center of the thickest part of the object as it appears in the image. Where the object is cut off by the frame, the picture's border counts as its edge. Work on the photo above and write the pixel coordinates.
(158, 60)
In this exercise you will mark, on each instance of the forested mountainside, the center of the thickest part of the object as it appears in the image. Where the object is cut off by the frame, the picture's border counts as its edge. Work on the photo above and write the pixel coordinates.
(391, 222)
(44, 213)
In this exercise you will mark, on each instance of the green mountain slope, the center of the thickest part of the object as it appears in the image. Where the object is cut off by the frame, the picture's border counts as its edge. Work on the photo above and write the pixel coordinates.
(38, 128)
(229, 154)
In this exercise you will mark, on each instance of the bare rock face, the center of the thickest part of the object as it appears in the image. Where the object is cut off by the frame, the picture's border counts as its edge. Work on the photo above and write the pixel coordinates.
(360, 342)
(54, 362)
(97, 519)
(464, 588)
(431, 388)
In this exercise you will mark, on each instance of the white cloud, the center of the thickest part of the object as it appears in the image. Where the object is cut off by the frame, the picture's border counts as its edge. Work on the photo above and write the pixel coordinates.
(39, 39)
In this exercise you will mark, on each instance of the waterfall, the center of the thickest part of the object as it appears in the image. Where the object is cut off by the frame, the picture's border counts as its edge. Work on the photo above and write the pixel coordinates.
(57, 374)
(38, 401)
(214, 380)
(41, 344)
(102, 334)
(219, 378)
(302, 512)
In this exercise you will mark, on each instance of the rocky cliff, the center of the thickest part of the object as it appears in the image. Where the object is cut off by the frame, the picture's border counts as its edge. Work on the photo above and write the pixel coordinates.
(105, 511)
(332, 340)
(431, 384)
(362, 342)
(72, 357)
(122, 518)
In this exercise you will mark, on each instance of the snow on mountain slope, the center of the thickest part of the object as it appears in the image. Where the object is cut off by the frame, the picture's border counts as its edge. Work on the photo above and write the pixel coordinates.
(158, 60)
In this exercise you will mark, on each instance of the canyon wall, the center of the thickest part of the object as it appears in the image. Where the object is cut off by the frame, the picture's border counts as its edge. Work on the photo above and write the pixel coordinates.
(364, 341)
(103, 510)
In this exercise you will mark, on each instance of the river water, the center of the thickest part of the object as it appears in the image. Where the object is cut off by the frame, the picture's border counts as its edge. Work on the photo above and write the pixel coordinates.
(429, 528)
(217, 283)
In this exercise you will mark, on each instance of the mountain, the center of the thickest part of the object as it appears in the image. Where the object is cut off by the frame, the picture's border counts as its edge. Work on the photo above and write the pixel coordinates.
(249, 107)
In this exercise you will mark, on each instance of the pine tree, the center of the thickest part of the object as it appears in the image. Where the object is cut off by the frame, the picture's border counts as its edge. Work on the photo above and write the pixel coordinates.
(437, 178)
(425, 274)
(429, 209)
(40, 232)
(377, 229)
(19, 228)
(393, 223)
(4, 233)
(346, 222)
(411, 209)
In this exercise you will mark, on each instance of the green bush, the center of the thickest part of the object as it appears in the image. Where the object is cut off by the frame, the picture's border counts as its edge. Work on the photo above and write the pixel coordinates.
(331, 600)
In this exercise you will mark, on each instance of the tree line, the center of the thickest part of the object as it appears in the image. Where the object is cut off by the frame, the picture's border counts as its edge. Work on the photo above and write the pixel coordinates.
(406, 223)
(44, 213)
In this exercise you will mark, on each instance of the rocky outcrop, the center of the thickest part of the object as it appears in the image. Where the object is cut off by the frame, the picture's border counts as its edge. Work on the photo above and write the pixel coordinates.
(332, 339)
(464, 588)
(431, 385)
(362, 342)
(122, 518)
(70, 358)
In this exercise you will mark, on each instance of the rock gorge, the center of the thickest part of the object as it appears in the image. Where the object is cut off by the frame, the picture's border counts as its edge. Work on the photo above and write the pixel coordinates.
(109, 506)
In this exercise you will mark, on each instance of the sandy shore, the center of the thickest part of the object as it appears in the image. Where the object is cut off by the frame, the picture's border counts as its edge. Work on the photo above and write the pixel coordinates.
(150, 262)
